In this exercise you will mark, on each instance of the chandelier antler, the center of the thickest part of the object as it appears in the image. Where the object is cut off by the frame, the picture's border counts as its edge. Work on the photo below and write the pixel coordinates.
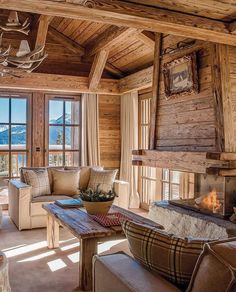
(25, 60)
(13, 24)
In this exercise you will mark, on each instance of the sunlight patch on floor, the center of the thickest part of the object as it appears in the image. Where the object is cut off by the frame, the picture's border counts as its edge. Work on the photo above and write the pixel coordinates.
(26, 249)
(74, 257)
(70, 246)
(38, 257)
(108, 245)
(56, 265)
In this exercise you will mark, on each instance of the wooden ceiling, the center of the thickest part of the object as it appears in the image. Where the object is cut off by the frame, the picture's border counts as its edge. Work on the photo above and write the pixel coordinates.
(113, 39)
(216, 9)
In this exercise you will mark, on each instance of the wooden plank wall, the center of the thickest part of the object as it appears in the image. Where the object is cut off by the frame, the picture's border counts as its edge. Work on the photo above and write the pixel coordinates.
(187, 123)
(228, 76)
(109, 131)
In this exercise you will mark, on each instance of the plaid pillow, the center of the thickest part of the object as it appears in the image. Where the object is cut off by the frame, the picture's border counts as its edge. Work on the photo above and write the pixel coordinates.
(172, 257)
(39, 181)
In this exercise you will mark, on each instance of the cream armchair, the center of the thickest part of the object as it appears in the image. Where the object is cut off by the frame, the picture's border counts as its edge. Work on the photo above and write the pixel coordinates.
(27, 212)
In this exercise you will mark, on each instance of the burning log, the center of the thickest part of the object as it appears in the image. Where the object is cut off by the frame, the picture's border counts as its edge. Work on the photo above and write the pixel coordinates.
(210, 202)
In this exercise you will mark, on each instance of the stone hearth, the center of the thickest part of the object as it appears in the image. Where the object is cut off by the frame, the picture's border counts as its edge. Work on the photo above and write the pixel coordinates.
(187, 223)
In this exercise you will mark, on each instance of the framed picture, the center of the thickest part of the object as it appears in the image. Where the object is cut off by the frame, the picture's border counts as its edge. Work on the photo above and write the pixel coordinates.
(181, 76)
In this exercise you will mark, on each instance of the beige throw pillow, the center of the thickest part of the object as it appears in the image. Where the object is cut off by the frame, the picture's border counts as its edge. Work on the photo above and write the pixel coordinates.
(39, 181)
(65, 182)
(103, 179)
(85, 172)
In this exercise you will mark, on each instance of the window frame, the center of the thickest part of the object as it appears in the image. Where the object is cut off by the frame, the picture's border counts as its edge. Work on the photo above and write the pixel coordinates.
(28, 124)
(170, 183)
(64, 98)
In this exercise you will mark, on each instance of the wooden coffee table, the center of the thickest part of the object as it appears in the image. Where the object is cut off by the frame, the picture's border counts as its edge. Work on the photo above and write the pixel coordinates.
(88, 231)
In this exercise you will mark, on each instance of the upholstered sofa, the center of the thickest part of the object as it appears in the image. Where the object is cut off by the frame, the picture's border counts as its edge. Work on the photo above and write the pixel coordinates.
(215, 271)
(27, 212)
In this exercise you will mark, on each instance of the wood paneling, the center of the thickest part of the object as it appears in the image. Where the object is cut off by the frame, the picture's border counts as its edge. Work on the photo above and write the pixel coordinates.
(109, 131)
(38, 119)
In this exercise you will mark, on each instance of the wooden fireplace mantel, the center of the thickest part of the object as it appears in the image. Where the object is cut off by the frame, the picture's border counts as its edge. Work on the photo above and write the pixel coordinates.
(197, 162)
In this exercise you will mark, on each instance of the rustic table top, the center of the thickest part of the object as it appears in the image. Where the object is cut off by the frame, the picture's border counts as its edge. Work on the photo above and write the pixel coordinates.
(82, 224)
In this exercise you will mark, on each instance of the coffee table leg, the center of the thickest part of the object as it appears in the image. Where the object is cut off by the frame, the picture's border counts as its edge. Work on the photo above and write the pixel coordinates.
(88, 248)
(52, 232)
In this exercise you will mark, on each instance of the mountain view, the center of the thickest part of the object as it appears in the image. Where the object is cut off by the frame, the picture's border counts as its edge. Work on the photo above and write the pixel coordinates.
(19, 133)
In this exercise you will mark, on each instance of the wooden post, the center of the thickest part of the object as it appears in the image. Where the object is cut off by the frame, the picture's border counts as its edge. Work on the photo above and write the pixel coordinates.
(52, 232)
(155, 90)
(88, 248)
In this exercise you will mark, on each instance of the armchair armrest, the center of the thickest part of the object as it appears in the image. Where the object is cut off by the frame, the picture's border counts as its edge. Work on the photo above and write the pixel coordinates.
(122, 190)
(19, 203)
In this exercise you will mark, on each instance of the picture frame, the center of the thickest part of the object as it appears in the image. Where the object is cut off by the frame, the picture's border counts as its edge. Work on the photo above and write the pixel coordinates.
(181, 76)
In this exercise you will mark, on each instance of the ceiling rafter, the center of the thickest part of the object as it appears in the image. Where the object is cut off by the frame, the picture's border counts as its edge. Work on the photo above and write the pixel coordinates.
(131, 15)
(80, 50)
(97, 68)
(43, 24)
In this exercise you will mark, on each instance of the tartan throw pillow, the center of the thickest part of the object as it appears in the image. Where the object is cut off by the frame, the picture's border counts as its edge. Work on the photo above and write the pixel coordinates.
(103, 179)
(172, 257)
(39, 181)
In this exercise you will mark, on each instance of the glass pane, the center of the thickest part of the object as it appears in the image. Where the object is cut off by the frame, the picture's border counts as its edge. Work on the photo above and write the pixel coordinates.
(18, 110)
(151, 191)
(72, 158)
(175, 192)
(4, 165)
(18, 160)
(165, 191)
(4, 110)
(18, 137)
(175, 177)
(55, 159)
(56, 112)
(165, 174)
(55, 137)
(4, 137)
(72, 138)
(72, 112)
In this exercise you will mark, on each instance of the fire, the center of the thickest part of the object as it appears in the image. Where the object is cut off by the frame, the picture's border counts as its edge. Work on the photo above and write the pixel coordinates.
(211, 202)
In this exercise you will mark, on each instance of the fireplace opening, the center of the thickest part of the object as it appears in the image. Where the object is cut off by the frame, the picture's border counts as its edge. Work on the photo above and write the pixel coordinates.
(214, 195)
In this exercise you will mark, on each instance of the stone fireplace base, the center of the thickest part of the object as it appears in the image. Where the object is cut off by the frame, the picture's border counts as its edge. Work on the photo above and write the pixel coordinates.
(187, 223)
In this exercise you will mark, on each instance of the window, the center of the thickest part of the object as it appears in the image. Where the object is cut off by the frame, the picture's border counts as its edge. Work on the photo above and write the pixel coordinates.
(63, 131)
(14, 133)
(170, 184)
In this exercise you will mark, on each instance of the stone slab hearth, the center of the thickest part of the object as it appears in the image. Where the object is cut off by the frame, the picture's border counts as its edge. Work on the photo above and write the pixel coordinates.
(187, 223)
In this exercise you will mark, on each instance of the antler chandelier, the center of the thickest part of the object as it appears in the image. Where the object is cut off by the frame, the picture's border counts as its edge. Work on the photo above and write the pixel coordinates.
(24, 60)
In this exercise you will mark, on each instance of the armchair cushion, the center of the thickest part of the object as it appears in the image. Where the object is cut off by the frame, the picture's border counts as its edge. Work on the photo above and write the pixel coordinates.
(65, 182)
(39, 181)
(102, 178)
(216, 268)
(171, 257)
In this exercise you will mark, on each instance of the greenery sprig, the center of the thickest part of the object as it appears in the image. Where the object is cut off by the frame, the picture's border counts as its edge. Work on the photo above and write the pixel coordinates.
(97, 195)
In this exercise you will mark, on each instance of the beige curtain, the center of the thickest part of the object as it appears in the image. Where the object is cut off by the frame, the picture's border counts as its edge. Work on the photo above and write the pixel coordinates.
(129, 142)
(90, 152)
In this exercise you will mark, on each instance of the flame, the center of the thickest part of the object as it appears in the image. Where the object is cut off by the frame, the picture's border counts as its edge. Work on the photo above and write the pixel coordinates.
(211, 202)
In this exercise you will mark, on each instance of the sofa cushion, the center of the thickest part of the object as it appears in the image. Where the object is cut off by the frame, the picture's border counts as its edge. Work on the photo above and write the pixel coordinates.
(123, 273)
(39, 181)
(172, 257)
(103, 179)
(23, 169)
(65, 182)
(85, 172)
(36, 204)
(216, 268)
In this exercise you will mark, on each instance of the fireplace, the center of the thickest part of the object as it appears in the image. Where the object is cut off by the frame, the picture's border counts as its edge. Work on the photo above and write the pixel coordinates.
(213, 194)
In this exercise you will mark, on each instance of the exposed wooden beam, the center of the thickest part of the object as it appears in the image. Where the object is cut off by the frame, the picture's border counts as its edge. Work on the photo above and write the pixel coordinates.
(65, 41)
(57, 83)
(147, 37)
(137, 81)
(110, 38)
(232, 27)
(97, 69)
(43, 23)
(155, 90)
(79, 50)
(130, 15)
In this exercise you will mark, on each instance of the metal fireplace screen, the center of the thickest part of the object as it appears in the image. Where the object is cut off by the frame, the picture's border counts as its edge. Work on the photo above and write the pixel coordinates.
(215, 195)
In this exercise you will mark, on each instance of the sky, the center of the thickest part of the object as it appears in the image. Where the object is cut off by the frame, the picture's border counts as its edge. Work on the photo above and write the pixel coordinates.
(18, 110)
